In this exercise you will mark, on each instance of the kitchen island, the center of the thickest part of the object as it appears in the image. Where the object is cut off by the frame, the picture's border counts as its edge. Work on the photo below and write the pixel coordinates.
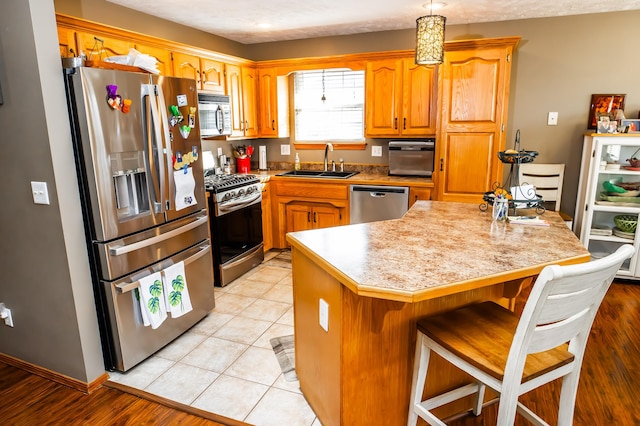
(359, 289)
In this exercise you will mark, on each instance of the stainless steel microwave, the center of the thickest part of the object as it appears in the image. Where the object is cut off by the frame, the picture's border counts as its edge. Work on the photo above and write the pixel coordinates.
(215, 115)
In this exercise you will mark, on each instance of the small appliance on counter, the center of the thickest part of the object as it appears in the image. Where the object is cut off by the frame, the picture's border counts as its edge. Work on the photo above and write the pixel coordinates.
(411, 158)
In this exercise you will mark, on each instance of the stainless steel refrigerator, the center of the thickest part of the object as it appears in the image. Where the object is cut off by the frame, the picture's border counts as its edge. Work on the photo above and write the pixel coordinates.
(137, 146)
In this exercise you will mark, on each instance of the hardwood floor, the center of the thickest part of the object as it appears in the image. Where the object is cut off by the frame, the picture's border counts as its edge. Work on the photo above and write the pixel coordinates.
(27, 399)
(610, 372)
(606, 395)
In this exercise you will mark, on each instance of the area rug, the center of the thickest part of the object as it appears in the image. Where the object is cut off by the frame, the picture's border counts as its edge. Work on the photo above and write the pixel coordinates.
(283, 349)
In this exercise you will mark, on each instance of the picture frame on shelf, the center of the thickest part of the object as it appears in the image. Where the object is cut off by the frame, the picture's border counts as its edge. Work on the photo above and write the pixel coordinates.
(604, 104)
(630, 125)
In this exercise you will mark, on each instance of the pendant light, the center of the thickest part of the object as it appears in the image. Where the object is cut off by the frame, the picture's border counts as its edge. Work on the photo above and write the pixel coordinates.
(430, 38)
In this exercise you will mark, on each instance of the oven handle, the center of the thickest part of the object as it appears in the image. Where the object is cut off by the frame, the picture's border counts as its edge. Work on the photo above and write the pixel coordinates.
(127, 287)
(230, 207)
(119, 250)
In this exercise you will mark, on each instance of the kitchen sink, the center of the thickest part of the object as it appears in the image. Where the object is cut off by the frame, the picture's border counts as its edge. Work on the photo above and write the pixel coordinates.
(318, 173)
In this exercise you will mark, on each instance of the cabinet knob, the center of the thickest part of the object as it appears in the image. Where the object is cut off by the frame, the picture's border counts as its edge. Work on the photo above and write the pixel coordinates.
(395, 123)
(273, 125)
(405, 123)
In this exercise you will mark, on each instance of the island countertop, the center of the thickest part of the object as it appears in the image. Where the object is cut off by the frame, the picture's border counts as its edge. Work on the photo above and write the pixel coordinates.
(438, 248)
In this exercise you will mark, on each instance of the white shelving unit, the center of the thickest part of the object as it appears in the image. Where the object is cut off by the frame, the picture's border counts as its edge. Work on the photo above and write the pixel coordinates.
(593, 210)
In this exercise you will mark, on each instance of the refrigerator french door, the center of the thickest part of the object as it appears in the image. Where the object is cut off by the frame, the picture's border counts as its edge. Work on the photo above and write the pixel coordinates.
(137, 147)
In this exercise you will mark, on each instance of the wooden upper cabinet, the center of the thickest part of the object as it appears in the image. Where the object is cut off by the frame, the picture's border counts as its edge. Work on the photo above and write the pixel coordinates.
(273, 104)
(186, 66)
(98, 47)
(400, 99)
(234, 90)
(250, 111)
(212, 74)
(242, 87)
(475, 80)
(162, 56)
(67, 42)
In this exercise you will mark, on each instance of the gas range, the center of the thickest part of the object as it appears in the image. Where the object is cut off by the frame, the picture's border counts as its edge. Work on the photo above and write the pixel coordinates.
(232, 192)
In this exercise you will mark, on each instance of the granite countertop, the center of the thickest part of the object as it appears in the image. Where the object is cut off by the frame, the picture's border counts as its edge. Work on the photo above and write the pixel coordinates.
(437, 248)
(360, 178)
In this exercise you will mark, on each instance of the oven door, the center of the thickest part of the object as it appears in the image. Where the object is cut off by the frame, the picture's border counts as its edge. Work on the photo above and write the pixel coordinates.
(237, 241)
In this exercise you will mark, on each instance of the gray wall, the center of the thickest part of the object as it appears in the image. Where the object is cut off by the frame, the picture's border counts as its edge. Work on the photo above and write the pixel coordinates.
(45, 275)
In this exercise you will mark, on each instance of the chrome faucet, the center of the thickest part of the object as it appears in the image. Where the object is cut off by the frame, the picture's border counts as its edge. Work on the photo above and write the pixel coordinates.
(328, 147)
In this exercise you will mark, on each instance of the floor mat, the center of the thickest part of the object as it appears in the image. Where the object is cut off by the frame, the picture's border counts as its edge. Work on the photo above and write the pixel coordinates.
(284, 351)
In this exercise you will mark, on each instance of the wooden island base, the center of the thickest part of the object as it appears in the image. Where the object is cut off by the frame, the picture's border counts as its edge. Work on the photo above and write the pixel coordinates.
(359, 372)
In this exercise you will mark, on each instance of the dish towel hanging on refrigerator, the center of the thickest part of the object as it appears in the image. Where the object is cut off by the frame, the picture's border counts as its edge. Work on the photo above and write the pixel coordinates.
(176, 291)
(152, 300)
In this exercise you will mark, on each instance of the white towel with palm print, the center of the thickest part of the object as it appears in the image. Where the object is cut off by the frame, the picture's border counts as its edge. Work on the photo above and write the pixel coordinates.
(152, 300)
(175, 290)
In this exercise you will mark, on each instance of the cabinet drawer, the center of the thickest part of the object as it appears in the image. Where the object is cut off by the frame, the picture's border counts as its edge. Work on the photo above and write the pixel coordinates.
(334, 191)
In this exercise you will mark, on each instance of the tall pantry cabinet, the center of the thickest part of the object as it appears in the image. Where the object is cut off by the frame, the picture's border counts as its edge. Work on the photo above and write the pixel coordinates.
(473, 94)
(604, 159)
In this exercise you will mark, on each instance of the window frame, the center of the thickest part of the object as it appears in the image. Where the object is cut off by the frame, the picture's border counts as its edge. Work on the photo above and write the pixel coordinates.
(337, 145)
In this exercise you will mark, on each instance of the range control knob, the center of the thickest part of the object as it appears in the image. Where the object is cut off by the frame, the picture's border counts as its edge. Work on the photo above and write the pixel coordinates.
(250, 190)
(240, 192)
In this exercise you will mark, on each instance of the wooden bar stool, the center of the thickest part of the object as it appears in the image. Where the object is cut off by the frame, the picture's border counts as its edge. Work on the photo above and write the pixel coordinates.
(514, 355)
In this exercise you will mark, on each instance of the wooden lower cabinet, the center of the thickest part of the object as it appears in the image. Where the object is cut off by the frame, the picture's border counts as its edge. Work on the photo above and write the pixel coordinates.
(304, 215)
(267, 217)
(299, 205)
(419, 193)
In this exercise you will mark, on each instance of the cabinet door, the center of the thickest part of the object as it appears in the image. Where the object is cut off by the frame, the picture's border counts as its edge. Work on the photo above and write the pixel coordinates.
(212, 73)
(418, 100)
(416, 194)
(325, 216)
(383, 89)
(298, 217)
(187, 66)
(67, 42)
(473, 115)
(234, 90)
(268, 103)
(162, 55)
(267, 227)
(249, 108)
(98, 47)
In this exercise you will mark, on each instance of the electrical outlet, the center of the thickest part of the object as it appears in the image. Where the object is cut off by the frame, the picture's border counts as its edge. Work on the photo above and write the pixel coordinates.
(285, 150)
(376, 151)
(5, 313)
(324, 315)
(552, 119)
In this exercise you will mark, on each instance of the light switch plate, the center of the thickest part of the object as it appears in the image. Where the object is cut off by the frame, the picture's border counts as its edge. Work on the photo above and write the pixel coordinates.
(285, 150)
(552, 119)
(40, 192)
(324, 315)
(376, 151)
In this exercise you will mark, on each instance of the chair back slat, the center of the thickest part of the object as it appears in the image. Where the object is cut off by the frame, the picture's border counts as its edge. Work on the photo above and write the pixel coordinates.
(559, 307)
(552, 335)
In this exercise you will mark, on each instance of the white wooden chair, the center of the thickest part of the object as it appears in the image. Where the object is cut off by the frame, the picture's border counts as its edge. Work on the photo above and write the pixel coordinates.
(511, 355)
(546, 178)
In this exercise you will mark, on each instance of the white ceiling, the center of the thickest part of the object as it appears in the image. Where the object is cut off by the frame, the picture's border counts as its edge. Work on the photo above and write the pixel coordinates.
(239, 20)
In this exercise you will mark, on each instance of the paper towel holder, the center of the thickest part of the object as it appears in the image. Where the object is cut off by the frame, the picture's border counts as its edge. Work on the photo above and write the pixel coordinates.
(262, 158)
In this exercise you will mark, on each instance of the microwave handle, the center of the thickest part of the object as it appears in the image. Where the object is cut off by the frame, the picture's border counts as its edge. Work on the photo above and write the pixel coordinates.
(219, 120)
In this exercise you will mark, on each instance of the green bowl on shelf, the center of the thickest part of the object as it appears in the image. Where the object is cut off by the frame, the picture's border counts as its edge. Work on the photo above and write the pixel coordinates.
(626, 222)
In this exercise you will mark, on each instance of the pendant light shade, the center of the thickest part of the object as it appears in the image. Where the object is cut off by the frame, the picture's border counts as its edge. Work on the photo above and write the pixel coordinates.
(430, 39)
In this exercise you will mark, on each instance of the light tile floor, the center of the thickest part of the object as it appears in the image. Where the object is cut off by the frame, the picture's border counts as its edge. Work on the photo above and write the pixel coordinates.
(225, 363)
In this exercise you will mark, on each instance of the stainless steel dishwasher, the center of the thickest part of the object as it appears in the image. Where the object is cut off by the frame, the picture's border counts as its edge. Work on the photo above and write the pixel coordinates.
(372, 203)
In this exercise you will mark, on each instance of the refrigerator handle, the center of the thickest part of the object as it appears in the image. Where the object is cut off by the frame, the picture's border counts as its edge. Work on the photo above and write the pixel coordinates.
(166, 145)
(119, 250)
(126, 287)
(153, 142)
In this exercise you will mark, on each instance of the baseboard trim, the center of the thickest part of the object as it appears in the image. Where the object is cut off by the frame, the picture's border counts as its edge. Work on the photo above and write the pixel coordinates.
(55, 377)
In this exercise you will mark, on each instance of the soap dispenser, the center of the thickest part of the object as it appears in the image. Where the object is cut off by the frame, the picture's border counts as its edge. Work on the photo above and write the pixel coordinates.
(297, 163)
